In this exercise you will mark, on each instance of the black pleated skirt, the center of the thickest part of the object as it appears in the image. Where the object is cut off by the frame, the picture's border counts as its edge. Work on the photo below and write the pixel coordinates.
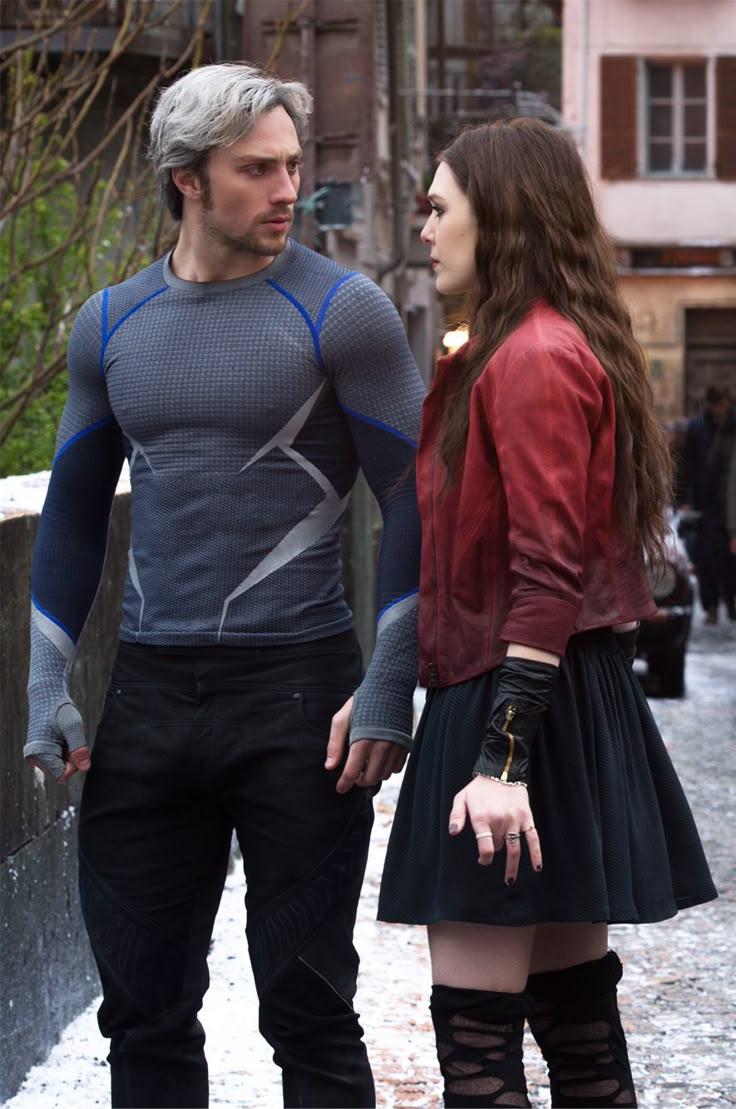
(618, 838)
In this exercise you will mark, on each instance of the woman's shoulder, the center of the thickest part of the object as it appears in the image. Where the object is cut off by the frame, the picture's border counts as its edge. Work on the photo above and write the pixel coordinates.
(545, 333)
(545, 328)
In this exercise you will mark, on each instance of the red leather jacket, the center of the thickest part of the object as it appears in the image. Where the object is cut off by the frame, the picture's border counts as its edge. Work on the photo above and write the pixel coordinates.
(522, 547)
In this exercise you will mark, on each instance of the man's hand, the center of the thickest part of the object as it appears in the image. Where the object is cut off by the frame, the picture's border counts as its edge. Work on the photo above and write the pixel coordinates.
(369, 761)
(60, 749)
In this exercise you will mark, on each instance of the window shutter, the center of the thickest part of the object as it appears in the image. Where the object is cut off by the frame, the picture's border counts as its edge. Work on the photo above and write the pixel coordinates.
(726, 118)
(618, 117)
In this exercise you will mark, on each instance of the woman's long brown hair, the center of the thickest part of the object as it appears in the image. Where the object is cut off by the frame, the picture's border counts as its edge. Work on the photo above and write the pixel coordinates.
(539, 236)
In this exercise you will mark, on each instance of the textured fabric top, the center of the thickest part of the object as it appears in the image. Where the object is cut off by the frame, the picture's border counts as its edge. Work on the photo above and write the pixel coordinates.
(245, 408)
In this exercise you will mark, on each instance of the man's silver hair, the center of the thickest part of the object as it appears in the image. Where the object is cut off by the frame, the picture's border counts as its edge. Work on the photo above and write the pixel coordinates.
(212, 106)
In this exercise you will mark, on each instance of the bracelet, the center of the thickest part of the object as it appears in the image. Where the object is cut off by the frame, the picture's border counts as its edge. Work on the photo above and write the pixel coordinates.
(493, 778)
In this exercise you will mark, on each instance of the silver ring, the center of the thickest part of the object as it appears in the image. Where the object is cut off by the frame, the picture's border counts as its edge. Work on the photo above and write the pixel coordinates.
(484, 835)
(512, 835)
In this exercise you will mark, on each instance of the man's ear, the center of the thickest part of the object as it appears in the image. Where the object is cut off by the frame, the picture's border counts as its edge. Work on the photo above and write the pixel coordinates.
(188, 182)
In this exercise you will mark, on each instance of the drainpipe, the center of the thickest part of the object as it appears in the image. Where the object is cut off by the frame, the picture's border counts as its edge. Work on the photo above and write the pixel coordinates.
(394, 11)
(584, 75)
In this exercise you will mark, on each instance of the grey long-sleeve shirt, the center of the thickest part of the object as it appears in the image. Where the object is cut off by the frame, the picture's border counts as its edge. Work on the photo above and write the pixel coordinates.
(245, 409)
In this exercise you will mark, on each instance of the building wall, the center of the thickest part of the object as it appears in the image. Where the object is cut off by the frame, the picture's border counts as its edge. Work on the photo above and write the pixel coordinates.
(649, 211)
(658, 307)
(661, 212)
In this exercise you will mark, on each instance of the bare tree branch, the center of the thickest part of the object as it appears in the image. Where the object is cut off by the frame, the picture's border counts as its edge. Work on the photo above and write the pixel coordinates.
(78, 12)
(76, 213)
(289, 20)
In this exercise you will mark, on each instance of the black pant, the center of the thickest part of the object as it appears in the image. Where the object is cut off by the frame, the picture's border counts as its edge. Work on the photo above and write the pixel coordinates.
(194, 743)
(715, 566)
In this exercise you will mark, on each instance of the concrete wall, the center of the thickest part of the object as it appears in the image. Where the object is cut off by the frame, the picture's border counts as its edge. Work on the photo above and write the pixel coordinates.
(47, 975)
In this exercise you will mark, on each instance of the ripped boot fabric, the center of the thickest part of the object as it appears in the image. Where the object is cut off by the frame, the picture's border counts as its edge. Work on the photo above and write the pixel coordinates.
(575, 1021)
(479, 1037)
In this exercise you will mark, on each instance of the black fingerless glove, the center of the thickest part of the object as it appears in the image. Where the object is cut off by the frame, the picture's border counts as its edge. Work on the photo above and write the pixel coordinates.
(523, 694)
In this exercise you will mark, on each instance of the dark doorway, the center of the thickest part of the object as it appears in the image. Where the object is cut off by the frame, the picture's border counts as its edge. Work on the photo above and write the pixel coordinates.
(710, 353)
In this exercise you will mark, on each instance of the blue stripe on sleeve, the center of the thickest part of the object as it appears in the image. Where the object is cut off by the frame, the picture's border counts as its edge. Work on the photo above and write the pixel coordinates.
(303, 312)
(330, 294)
(314, 327)
(379, 424)
(107, 335)
(69, 551)
(395, 601)
(54, 619)
(78, 435)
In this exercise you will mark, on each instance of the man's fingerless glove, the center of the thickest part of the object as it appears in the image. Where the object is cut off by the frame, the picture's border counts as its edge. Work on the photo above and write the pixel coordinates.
(523, 694)
(54, 723)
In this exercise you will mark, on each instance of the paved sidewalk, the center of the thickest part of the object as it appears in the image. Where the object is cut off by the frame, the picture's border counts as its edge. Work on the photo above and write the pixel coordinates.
(676, 995)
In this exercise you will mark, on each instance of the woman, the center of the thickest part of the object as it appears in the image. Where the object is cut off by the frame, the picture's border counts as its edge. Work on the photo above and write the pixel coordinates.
(543, 475)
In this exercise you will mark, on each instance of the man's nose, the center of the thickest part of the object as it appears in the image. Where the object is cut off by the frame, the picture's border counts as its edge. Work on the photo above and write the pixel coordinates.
(286, 188)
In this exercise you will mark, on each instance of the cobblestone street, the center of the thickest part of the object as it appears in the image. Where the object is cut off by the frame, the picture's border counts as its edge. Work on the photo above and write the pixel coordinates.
(676, 995)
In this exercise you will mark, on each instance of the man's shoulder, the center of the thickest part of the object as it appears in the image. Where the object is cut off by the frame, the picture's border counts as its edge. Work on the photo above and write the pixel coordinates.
(140, 284)
(306, 268)
(124, 295)
(303, 258)
(111, 304)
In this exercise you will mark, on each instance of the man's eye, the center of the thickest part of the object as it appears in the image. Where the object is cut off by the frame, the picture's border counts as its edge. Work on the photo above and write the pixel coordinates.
(256, 170)
(294, 167)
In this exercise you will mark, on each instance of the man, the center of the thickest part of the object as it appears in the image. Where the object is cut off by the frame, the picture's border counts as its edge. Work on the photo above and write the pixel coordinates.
(704, 469)
(731, 503)
(245, 378)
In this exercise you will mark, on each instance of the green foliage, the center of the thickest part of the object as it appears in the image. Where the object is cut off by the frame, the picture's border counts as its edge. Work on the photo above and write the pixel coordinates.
(46, 273)
(31, 446)
(78, 207)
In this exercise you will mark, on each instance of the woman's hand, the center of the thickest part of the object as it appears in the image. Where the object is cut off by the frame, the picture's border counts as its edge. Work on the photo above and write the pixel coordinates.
(499, 815)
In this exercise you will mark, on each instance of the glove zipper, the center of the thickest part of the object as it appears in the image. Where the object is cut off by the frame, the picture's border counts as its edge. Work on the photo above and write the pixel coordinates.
(510, 713)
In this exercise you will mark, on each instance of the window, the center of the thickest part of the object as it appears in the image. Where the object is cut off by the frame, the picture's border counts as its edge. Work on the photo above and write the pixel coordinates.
(675, 130)
(655, 117)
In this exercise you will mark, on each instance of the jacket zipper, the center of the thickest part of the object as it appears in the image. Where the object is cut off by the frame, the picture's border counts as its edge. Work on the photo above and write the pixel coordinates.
(510, 713)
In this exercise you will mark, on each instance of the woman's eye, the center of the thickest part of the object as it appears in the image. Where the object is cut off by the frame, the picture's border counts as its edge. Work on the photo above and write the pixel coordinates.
(436, 210)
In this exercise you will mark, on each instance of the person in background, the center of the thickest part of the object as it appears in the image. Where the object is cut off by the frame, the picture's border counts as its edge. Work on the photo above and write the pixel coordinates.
(539, 804)
(246, 379)
(714, 522)
(731, 503)
(703, 492)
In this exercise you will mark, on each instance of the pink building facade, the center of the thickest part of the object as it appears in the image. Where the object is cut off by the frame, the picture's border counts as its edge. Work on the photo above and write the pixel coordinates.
(649, 89)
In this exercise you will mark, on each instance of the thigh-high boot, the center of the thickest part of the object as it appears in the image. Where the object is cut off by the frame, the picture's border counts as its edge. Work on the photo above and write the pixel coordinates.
(479, 1037)
(577, 1025)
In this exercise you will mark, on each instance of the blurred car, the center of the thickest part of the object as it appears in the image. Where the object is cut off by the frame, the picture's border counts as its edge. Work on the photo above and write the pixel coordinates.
(663, 639)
